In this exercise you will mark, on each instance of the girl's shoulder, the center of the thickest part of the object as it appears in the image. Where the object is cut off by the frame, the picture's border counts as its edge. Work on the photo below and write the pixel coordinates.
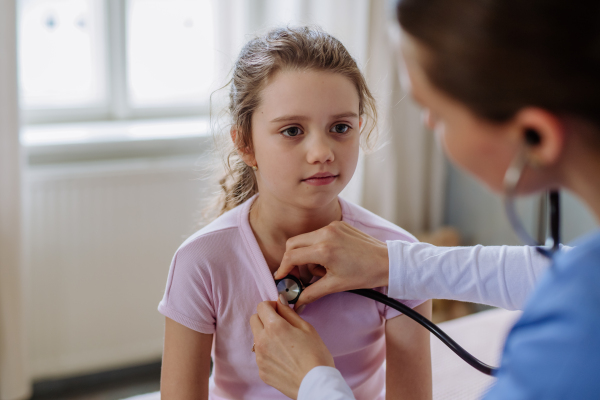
(219, 237)
(226, 221)
(372, 224)
(201, 270)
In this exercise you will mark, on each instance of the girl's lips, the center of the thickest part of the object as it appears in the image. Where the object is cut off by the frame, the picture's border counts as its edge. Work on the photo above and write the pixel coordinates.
(317, 180)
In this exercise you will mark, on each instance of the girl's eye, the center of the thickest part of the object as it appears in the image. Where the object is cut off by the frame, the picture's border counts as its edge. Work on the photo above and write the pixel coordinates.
(292, 131)
(340, 128)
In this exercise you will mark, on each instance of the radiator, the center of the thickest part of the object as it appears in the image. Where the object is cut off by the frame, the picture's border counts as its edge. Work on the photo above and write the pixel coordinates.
(99, 241)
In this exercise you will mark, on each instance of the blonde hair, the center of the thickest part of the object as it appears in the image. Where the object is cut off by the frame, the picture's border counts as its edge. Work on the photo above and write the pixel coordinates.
(301, 48)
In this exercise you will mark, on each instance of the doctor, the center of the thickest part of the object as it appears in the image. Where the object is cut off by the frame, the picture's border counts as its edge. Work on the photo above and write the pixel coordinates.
(504, 83)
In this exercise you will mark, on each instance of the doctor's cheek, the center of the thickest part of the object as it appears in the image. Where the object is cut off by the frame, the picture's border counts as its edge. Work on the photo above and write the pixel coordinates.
(453, 146)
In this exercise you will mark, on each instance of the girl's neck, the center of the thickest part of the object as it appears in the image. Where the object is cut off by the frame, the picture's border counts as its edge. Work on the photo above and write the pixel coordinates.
(274, 222)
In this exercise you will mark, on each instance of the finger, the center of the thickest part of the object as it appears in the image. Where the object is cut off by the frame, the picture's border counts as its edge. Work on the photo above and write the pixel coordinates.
(284, 270)
(304, 240)
(267, 313)
(290, 315)
(296, 272)
(299, 256)
(256, 325)
(266, 303)
(320, 288)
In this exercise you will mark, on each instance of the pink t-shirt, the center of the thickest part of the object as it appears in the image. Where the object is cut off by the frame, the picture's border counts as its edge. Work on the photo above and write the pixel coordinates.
(219, 275)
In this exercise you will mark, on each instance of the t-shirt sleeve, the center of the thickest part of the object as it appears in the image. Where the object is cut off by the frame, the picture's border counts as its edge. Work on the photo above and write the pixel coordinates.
(188, 297)
(388, 312)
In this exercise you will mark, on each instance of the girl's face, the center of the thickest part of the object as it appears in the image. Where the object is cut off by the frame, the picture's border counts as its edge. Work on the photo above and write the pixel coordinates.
(483, 148)
(305, 136)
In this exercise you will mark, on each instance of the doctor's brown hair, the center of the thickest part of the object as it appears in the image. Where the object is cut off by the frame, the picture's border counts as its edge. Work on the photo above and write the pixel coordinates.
(498, 56)
(302, 48)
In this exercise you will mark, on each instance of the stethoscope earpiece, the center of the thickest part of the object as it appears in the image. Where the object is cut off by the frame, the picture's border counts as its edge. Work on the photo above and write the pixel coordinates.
(532, 137)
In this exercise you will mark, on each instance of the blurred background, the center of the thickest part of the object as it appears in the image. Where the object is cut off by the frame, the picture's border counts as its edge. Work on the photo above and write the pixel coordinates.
(105, 134)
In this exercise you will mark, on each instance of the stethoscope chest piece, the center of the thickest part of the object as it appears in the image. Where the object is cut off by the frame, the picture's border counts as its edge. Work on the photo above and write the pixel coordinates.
(290, 287)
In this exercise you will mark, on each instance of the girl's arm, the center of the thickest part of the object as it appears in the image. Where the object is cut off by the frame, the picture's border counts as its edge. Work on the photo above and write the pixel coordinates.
(408, 355)
(185, 363)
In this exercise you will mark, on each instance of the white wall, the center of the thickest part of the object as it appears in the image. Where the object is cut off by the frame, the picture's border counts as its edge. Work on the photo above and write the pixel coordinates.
(100, 237)
(576, 218)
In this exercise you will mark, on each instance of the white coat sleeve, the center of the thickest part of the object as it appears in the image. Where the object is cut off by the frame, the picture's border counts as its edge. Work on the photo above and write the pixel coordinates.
(324, 383)
(500, 276)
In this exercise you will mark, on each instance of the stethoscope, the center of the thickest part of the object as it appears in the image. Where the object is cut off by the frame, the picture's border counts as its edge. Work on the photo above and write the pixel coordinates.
(291, 287)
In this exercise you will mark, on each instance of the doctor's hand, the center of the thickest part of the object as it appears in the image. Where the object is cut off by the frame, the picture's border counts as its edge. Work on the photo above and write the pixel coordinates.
(343, 256)
(286, 346)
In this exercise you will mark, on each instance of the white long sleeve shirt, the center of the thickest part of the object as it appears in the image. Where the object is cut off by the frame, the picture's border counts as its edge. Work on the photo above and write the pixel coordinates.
(500, 276)
(324, 383)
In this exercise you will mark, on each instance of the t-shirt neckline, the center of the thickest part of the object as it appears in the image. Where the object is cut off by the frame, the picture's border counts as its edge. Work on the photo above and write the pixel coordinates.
(260, 269)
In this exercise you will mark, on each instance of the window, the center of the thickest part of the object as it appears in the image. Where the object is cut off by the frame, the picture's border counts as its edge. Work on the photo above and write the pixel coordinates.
(169, 57)
(86, 60)
(62, 62)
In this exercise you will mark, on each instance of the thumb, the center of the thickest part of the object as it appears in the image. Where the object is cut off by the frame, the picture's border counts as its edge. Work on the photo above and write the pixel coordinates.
(315, 291)
(289, 315)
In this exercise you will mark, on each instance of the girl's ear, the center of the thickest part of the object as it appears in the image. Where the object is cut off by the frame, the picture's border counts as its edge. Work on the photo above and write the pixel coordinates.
(543, 133)
(246, 154)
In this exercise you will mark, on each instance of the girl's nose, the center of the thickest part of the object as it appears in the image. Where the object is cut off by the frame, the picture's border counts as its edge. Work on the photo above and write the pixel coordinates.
(319, 149)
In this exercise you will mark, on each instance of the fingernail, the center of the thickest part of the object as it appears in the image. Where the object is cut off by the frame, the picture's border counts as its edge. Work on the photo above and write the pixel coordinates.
(300, 309)
(283, 300)
(275, 274)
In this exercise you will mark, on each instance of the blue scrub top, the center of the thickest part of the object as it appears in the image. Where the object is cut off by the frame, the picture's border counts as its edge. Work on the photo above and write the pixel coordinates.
(553, 351)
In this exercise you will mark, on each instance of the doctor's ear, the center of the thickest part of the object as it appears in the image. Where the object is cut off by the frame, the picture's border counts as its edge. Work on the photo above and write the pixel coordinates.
(543, 134)
(243, 149)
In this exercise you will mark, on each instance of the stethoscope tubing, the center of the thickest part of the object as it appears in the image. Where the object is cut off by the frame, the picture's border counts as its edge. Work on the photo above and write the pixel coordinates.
(430, 326)
(292, 281)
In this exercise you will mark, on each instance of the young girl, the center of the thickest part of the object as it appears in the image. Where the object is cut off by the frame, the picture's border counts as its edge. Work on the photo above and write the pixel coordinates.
(298, 102)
